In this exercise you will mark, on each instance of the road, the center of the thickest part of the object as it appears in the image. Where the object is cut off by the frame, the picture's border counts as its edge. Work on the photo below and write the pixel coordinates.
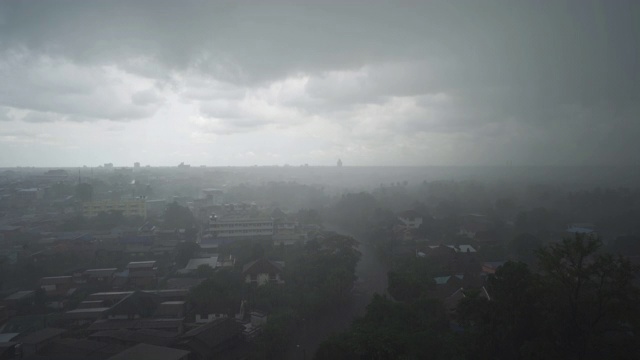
(372, 278)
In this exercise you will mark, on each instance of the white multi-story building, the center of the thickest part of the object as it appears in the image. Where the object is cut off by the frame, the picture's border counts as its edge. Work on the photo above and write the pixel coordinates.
(240, 228)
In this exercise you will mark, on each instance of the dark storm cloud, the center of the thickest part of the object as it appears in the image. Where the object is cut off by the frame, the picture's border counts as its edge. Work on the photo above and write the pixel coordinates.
(558, 79)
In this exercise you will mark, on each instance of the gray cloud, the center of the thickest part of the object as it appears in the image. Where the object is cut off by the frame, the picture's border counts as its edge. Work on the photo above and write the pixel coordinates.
(146, 97)
(535, 81)
(58, 86)
(4, 114)
(41, 117)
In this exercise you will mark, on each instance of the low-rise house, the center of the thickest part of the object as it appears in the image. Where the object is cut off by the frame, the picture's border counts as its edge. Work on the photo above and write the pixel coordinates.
(452, 301)
(87, 312)
(4, 314)
(490, 267)
(136, 305)
(99, 277)
(8, 337)
(171, 310)
(142, 274)
(33, 342)
(169, 325)
(19, 299)
(487, 238)
(587, 229)
(208, 340)
(83, 316)
(151, 352)
(58, 286)
(68, 348)
(466, 249)
(411, 219)
(7, 350)
(183, 283)
(127, 337)
(135, 266)
(109, 298)
(255, 325)
(263, 271)
(451, 258)
(170, 294)
(470, 229)
(194, 264)
(226, 262)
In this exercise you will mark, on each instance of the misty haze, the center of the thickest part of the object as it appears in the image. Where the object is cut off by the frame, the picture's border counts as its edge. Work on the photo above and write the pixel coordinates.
(326, 180)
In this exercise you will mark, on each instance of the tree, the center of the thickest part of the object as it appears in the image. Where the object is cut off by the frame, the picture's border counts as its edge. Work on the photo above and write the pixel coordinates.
(309, 216)
(185, 251)
(502, 326)
(84, 192)
(178, 217)
(204, 271)
(107, 220)
(323, 274)
(582, 305)
(218, 294)
(392, 330)
(524, 247)
(411, 280)
(589, 300)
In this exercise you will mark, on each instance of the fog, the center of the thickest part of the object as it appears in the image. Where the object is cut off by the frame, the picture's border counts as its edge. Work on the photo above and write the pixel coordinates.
(319, 180)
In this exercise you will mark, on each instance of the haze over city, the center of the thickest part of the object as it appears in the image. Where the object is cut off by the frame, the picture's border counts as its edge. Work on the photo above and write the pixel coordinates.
(319, 179)
(373, 83)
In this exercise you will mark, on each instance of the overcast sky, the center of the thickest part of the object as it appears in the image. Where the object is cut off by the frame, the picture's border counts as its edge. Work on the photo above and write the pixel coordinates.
(373, 83)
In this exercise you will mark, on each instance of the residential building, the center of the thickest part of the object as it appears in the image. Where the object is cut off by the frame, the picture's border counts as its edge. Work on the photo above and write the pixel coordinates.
(142, 274)
(33, 342)
(131, 207)
(148, 352)
(99, 277)
(263, 271)
(194, 264)
(240, 228)
(410, 219)
(58, 286)
(210, 339)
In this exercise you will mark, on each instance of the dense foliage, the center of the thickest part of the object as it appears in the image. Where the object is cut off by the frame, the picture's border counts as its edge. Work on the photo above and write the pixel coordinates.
(581, 304)
(394, 330)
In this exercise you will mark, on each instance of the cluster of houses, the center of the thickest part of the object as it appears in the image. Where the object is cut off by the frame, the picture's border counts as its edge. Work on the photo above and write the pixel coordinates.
(130, 317)
(458, 265)
(467, 259)
(142, 307)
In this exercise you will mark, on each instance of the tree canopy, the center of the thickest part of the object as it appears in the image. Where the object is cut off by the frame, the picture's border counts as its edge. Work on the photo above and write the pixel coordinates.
(581, 305)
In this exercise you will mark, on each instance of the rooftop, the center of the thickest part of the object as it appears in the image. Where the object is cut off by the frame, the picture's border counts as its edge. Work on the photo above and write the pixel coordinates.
(141, 264)
(19, 295)
(41, 335)
(195, 263)
(150, 352)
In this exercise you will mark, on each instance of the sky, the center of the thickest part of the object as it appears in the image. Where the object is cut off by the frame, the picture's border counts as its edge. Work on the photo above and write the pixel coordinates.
(242, 83)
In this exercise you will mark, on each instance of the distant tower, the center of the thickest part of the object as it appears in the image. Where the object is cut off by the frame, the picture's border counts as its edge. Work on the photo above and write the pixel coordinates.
(339, 163)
